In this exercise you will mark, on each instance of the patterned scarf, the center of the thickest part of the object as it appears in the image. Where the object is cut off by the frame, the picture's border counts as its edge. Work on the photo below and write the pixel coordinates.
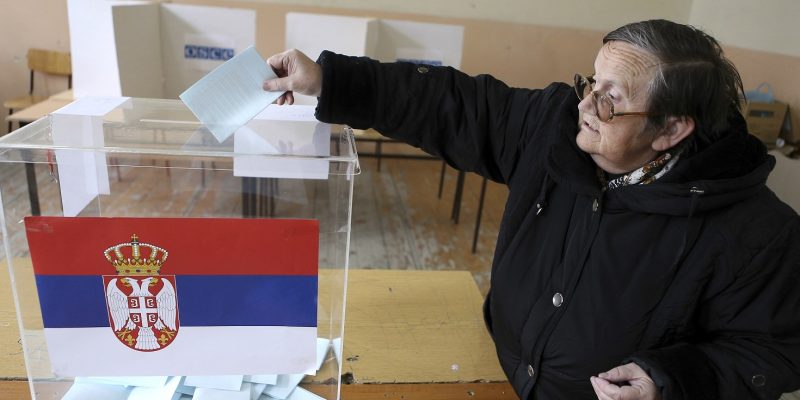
(651, 171)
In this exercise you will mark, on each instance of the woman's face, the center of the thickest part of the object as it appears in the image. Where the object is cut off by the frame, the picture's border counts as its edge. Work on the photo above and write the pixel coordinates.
(623, 74)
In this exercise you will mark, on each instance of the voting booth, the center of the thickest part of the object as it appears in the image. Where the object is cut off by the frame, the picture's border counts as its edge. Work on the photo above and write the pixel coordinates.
(151, 49)
(384, 40)
(150, 260)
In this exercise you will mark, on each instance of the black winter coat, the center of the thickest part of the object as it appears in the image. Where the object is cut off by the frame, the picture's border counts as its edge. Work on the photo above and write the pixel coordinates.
(695, 277)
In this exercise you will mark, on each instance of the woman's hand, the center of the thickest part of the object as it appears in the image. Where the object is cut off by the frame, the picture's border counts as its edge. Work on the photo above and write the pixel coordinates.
(640, 386)
(296, 73)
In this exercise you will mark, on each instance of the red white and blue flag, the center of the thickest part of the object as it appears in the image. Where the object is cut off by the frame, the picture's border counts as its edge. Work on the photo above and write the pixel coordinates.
(176, 296)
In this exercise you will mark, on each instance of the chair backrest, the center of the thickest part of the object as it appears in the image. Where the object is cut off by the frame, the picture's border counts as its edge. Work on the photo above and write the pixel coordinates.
(49, 62)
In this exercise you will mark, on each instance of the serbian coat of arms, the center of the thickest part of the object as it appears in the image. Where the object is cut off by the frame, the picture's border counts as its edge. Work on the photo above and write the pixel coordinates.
(142, 305)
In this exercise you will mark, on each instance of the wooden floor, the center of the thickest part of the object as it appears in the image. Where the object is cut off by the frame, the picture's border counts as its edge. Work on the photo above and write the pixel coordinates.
(399, 223)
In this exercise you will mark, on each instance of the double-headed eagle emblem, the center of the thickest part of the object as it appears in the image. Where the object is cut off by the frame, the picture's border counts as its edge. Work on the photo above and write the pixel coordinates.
(142, 305)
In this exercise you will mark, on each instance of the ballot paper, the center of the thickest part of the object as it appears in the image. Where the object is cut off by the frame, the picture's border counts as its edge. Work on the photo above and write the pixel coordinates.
(306, 143)
(256, 389)
(322, 350)
(166, 392)
(83, 175)
(221, 382)
(183, 389)
(284, 387)
(336, 343)
(210, 387)
(295, 112)
(231, 94)
(302, 394)
(85, 391)
(143, 381)
(265, 379)
(218, 394)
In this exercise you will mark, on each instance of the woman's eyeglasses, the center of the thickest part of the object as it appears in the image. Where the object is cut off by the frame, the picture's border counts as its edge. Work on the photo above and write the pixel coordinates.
(602, 104)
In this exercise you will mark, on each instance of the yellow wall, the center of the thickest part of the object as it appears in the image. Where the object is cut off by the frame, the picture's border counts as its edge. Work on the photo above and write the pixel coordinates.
(533, 55)
(584, 14)
(30, 23)
(526, 43)
(763, 39)
(769, 26)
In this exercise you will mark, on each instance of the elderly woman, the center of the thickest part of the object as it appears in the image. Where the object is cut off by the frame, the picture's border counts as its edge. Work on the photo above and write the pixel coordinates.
(640, 255)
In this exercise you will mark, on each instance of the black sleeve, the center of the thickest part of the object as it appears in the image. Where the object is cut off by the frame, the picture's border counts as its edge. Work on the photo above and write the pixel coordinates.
(751, 328)
(476, 124)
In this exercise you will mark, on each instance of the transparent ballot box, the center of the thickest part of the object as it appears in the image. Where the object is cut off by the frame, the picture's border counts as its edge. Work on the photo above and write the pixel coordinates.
(149, 260)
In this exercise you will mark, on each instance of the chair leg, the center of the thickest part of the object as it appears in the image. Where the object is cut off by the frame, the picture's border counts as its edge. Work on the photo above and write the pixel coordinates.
(478, 218)
(261, 202)
(10, 111)
(202, 174)
(378, 151)
(457, 198)
(441, 180)
(248, 200)
(273, 197)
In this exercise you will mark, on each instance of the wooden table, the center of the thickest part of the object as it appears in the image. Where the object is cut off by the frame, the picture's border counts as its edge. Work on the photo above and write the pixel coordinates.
(372, 136)
(31, 114)
(38, 110)
(408, 335)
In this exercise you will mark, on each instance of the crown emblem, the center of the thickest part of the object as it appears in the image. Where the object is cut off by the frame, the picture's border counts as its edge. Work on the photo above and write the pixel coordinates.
(130, 261)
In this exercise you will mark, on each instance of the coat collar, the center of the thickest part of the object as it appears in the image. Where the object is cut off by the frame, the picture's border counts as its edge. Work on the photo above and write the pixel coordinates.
(732, 169)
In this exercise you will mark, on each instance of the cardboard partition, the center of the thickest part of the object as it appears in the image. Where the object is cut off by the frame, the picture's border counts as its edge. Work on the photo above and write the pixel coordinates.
(83, 174)
(422, 43)
(137, 37)
(313, 33)
(384, 40)
(93, 48)
(149, 48)
(765, 120)
(197, 39)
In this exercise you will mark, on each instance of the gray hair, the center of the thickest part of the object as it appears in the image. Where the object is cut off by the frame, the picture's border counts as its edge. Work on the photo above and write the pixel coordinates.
(694, 78)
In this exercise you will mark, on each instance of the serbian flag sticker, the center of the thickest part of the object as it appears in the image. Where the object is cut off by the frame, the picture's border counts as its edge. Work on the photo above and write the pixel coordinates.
(176, 296)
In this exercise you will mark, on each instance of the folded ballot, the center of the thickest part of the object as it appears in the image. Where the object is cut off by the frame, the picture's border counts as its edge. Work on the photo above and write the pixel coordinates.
(231, 94)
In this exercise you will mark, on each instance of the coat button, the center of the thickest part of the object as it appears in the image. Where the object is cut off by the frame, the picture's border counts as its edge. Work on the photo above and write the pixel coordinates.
(759, 380)
(595, 205)
(558, 299)
(422, 70)
(531, 371)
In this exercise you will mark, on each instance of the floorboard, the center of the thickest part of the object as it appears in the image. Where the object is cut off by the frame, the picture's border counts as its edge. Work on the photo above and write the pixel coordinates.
(416, 231)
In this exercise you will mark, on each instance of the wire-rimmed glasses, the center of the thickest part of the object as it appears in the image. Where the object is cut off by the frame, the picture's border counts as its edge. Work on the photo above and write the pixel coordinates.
(602, 104)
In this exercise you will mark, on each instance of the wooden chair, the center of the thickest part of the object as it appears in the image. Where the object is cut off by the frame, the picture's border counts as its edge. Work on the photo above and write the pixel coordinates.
(45, 62)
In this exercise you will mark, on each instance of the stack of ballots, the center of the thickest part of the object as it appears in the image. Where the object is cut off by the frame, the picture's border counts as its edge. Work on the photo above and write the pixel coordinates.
(220, 387)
